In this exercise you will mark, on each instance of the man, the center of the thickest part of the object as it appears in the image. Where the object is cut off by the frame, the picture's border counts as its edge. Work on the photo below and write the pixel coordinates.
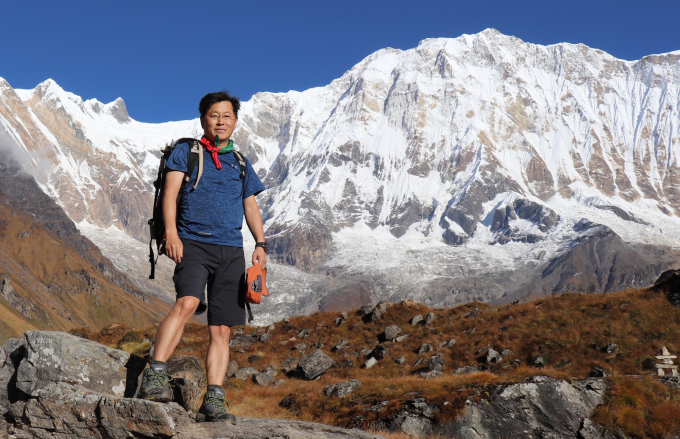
(203, 236)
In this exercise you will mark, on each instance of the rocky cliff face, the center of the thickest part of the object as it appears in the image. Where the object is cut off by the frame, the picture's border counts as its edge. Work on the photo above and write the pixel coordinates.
(480, 155)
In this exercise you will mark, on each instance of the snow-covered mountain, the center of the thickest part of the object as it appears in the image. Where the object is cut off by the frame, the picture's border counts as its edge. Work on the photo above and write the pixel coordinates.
(480, 167)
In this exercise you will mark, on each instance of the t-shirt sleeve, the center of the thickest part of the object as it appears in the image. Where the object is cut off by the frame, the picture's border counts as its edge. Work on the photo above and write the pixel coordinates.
(253, 185)
(178, 158)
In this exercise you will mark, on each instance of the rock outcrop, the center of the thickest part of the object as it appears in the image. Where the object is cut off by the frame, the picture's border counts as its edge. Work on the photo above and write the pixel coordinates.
(58, 386)
(541, 407)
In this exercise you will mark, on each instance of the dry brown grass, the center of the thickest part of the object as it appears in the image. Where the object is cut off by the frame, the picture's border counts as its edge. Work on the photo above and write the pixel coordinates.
(568, 331)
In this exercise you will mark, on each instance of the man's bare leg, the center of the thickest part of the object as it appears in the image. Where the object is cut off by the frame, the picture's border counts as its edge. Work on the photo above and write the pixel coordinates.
(218, 354)
(170, 331)
(213, 407)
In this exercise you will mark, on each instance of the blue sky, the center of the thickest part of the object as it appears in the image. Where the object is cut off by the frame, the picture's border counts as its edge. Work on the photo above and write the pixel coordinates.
(163, 56)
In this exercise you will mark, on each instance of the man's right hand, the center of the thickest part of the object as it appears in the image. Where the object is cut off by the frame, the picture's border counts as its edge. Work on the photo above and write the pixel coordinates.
(174, 248)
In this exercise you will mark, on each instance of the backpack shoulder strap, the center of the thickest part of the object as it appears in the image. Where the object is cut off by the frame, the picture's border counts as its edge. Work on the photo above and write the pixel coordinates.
(195, 158)
(241, 163)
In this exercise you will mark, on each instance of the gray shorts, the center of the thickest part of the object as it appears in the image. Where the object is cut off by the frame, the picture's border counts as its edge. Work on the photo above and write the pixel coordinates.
(220, 267)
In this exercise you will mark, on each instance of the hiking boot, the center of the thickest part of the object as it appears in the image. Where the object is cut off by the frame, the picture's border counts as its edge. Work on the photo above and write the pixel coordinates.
(156, 384)
(213, 408)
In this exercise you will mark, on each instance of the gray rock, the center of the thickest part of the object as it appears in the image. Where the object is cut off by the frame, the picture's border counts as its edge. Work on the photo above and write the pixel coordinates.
(436, 363)
(400, 360)
(492, 355)
(272, 370)
(72, 411)
(366, 309)
(544, 407)
(441, 345)
(11, 354)
(483, 349)
(315, 364)
(53, 357)
(303, 334)
(507, 352)
(451, 342)
(538, 362)
(263, 379)
(415, 419)
(342, 345)
(302, 347)
(232, 367)
(189, 378)
(420, 361)
(379, 407)
(265, 337)
(245, 372)
(429, 318)
(241, 341)
(391, 332)
(370, 363)
(416, 319)
(262, 428)
(341, 389)
(278, 383)
(380, 310)
(466, 370)
(402, 338)
(611, 348)
(424, 349)
(289, 364)
(271, 327)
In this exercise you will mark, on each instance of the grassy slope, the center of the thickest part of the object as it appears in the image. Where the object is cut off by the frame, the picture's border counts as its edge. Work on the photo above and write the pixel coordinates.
(34, 259)
(568, 331)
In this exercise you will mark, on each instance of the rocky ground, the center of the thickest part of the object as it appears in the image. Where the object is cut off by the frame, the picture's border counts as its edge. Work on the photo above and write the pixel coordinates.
(391, 369)
(56, 385)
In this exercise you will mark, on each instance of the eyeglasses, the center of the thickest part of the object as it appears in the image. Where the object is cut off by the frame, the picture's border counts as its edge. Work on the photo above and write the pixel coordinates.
(225, 117)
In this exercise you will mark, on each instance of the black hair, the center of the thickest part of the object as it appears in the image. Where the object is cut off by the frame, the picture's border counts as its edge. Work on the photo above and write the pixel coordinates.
(219, 96)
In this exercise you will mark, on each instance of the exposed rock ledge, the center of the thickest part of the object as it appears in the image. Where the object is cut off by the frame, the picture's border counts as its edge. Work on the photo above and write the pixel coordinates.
(57, 386)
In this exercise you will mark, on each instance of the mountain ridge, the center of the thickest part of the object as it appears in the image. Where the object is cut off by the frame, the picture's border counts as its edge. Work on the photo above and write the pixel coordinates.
(409, 156)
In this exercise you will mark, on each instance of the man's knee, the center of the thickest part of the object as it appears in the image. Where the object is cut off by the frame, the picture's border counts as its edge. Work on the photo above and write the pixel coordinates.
(186, 306)
(220, 333)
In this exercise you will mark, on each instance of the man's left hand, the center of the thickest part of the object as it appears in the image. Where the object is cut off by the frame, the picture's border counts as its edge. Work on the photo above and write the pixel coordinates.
(259, 256)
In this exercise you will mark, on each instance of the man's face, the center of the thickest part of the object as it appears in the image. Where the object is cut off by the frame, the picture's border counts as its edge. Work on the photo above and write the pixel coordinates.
(219, 121)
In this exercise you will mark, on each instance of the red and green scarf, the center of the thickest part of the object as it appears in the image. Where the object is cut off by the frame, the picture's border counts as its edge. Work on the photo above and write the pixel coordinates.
(214, 149)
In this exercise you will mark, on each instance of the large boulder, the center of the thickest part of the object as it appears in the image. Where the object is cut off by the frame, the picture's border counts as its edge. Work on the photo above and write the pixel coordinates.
(189, 380)
(541, 407)
(11, 354)
(63, 410)
(54, 357)
(315, 364)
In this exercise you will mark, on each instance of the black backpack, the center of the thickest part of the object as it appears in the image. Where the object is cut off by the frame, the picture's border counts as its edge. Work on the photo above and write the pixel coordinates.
(157, 223)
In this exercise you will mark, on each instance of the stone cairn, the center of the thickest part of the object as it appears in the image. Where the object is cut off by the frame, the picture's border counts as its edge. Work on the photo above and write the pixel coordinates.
(667, 362)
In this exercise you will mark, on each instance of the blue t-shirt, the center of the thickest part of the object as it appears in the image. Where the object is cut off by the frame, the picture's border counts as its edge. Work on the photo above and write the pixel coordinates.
(213, 212)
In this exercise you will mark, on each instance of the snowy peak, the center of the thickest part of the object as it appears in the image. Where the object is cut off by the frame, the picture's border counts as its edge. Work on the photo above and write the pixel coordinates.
(483, 149)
